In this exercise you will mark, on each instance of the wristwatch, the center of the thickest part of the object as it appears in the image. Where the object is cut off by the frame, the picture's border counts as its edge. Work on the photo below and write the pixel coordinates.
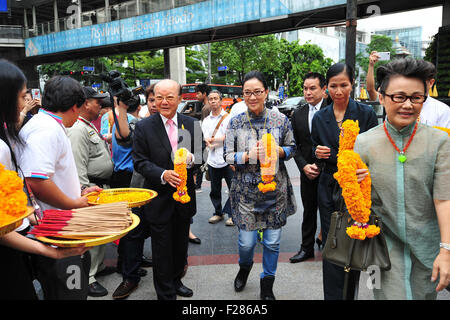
(446, 246)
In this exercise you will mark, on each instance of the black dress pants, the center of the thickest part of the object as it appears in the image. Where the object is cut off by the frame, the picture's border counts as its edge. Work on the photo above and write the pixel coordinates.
(216, 175)
(131, 248)
(308, 191)
(169, 252)
(333, 275)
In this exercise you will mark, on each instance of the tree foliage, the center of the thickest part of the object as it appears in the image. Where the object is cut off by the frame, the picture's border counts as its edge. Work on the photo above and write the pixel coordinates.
(281, 62)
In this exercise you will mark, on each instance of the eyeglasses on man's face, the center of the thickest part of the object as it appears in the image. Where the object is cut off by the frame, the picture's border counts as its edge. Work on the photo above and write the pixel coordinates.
(256, 93)
(168, 98)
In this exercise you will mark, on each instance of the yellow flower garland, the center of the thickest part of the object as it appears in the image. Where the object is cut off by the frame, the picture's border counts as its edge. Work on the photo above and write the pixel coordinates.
(181, 195)
(268, 169)
(13, 200)
(356, 195)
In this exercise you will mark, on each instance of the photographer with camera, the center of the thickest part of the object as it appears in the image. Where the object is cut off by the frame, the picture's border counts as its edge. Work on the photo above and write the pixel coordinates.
(126, 114)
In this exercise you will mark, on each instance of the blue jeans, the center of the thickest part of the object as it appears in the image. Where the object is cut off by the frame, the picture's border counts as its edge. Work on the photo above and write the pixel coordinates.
(271, 242)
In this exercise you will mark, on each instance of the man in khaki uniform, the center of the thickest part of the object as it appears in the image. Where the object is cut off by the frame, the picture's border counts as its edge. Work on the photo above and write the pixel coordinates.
(94, 166)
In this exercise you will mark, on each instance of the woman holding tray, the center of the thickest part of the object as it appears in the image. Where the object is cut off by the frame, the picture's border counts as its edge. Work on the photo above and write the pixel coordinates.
(15, 275)
(410, 171)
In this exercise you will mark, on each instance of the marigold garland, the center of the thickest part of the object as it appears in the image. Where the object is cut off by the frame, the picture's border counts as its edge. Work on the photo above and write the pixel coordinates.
(268, 169)
(13, 200)
(356, 195)
(181, 195)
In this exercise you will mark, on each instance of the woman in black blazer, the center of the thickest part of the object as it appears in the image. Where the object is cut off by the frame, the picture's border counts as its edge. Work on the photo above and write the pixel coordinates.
(325, 137)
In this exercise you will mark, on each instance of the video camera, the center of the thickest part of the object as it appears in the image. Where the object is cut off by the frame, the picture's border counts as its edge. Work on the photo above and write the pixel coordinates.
(119, 88)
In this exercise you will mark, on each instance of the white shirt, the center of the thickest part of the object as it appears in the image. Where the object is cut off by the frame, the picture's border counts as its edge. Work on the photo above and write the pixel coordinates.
(435, 113)
(6, 160)
(312, 111)
(5, 156)
(215, 155)
(47, 154)
(238, 108)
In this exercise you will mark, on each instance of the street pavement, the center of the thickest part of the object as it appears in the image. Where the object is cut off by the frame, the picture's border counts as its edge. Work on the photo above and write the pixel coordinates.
(213, 264)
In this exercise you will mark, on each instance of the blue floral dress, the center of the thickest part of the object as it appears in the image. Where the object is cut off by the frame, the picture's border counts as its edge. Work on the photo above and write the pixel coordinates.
(252, 209)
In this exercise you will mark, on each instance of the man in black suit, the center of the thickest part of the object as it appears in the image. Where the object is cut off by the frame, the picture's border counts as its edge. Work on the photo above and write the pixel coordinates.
(314, 87)
(155, 140)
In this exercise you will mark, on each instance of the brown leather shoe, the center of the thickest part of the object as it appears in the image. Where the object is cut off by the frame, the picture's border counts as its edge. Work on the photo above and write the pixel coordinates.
(124, 289)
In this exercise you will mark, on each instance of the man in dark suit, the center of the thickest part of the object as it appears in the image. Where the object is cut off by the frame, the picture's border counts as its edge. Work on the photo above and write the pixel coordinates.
(314, 87)
(155, 140)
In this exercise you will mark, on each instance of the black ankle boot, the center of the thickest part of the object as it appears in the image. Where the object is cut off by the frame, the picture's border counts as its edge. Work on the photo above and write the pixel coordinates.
(266, 288)
(241, 278)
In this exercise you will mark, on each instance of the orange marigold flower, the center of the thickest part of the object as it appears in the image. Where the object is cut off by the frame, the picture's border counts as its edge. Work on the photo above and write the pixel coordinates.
(181, 195)
(357, 196)
(13, 200)
(268, 168)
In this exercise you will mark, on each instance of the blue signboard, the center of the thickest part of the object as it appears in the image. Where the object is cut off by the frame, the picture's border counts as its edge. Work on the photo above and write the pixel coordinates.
(3, 5)
(281, 92)
(170, 22)
(222, 68)
(87, 68)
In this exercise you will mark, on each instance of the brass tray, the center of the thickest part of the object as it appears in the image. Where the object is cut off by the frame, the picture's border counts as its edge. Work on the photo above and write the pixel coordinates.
(93, 196)
(13, 225)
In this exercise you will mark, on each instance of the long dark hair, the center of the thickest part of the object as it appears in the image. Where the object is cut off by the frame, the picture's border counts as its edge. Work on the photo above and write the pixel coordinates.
(12, 81)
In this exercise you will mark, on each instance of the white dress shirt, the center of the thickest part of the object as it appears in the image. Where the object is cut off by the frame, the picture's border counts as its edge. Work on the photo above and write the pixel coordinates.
(435, 113)
(312, 111)
(215, 155)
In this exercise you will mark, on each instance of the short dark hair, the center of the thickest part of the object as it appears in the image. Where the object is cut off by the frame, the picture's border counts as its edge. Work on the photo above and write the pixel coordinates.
(407, 67)
(203, 88)
(61, 93)
(338, 68)
(255, 75)
(133, 104)
(316, 75)
(150, 90)
(431, 70)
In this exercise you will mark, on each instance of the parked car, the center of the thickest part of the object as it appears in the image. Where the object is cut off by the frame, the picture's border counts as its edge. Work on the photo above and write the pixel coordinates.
(289, 105)
(192, 108)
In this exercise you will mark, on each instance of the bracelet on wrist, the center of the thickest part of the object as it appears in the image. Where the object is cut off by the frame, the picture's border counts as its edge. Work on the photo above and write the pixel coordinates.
(445, 246)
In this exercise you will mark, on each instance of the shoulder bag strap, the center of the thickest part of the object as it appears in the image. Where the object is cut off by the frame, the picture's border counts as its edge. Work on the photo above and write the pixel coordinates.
(218, 125)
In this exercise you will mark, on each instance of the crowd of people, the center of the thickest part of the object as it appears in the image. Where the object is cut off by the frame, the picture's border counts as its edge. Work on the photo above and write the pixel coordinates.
(76, 140)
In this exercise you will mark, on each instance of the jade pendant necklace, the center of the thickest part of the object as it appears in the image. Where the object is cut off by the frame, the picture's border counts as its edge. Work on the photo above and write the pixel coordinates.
(401, 157)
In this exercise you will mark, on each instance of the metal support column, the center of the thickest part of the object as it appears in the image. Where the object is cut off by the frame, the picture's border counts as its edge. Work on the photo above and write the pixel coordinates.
(107, 12)
(25, 23)
(446, 13)
(350, 41)
(55, 13)
(33, 11)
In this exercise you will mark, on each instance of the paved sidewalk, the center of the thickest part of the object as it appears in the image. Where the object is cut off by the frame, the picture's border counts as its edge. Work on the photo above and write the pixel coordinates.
(213, 264)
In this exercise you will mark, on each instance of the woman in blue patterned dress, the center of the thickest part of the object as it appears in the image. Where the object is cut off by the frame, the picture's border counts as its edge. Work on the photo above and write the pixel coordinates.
(254, 210)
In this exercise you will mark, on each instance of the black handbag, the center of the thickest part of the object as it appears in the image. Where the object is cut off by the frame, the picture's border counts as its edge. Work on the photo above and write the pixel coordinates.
(353, 254)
